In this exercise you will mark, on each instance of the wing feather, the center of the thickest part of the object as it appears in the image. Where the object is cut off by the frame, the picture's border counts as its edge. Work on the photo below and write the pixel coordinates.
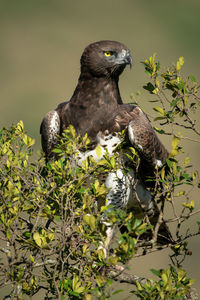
(141, 134)
(49, 129)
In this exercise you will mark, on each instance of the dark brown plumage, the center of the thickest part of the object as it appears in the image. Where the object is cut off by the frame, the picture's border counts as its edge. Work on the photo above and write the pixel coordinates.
(96, 104)
(96, 107)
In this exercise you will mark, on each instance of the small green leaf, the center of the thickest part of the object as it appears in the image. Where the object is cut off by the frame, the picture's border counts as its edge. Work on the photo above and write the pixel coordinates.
(32, 259)
(159, 110)
(57, 150)
(180, 63)
(189, 205)
(192, 78)
(25, 139)
(164, 278)
(156, 91)
(139, 287)
(137, 223)
(101, 254)
(112, 162)
(187, 161)
(159, 130)
(174, 102)
(37, 239)
(181, 274)
(155, 272)
(175, 142)
(159, 118)
(149, 87)
(181, 85)
(117, 292)
(98, 151)
(90, 220)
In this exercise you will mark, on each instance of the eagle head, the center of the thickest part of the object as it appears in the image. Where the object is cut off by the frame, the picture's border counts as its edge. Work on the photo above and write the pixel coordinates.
(105, 58)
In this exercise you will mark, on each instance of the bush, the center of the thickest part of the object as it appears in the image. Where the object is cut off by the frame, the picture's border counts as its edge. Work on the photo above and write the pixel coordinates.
(51, 224)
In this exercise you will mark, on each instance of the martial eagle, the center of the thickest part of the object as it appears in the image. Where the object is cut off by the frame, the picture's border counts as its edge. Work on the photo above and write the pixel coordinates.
(96, 108)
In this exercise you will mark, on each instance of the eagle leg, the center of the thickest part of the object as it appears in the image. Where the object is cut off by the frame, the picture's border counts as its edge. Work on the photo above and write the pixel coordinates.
(125, 193)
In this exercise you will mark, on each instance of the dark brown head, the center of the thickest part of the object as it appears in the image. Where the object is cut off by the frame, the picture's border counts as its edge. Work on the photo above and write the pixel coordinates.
(105, 58)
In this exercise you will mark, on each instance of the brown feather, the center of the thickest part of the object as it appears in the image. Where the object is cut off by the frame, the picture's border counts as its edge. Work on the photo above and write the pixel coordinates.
(96, 106)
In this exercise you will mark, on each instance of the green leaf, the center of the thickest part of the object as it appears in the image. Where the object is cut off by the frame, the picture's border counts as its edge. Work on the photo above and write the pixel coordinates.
(25, 139)
(101, 254)
(156, 91)
(37, 239)
(27, 234)
(187, 161)
(164, 278)
(189, 205)
(32, 259)
(180, 63)
(149, 87)
(98, 151)
(181, 274)
(181, 85)
(158, 66)
(113, 260)
(75, 282)
(192, 78)
(175, 142)
(159, 110)
(159, 130)
(117, 292)
(139, 287)
(155, 272)
(174, 102)
(159, 118)
(57, 150)
(90, 220)
(112, 162)
(79, 290)
(137, 223)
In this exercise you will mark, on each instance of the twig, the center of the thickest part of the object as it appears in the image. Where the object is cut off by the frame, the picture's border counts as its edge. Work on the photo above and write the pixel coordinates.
(183, 217)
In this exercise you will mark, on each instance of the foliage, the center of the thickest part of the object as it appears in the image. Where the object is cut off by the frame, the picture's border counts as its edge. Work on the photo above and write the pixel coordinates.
(173, 284)
(50, 221)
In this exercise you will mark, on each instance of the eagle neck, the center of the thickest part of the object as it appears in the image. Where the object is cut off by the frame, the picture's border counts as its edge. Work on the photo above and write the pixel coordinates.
(90, 88)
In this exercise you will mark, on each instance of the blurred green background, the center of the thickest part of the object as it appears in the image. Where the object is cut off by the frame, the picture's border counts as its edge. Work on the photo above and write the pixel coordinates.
(40, 47)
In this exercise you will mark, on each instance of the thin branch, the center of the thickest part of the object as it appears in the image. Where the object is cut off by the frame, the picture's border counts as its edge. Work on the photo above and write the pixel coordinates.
(183, 217)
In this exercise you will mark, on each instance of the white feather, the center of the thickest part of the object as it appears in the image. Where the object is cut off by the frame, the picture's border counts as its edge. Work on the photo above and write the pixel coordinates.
(159, 163)
(106, 144)
(132, 137)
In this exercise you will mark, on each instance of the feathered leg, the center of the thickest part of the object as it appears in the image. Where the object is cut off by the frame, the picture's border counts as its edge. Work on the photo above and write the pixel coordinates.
(122, 195)
(127, 192)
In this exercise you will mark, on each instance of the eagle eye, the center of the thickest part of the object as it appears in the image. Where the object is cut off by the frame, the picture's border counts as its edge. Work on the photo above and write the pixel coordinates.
(107, 53)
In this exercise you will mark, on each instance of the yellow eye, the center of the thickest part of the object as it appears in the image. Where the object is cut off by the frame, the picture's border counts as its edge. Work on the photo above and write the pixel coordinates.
(107, 53)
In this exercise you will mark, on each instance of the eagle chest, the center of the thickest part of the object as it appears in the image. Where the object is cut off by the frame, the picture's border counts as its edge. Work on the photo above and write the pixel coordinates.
(124, 188)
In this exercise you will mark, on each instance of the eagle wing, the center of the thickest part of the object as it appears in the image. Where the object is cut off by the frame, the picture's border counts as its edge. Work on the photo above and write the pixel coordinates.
(52, 126)
(141, 135)
(49, 130)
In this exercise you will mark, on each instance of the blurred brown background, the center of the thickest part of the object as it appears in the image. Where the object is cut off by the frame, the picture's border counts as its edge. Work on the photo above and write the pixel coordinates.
(40, 46)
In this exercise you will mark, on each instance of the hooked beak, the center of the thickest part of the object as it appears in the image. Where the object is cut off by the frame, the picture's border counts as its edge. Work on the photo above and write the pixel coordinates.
(125, 58)
(129, 59)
